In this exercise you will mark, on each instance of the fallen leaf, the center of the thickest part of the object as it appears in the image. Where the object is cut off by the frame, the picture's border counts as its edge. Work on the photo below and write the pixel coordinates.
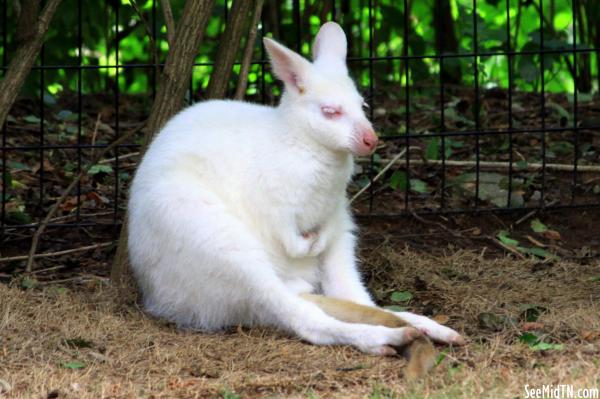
(552, 235)
(69, 204)
(441, 318)
(47, 167)
(590, 335)
(532, 326)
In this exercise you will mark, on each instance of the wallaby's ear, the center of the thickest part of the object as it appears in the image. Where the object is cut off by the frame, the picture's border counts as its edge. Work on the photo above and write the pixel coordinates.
(330, 45)
(287, 65)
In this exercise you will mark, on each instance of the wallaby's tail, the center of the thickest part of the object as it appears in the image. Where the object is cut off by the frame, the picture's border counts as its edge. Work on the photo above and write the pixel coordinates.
(420, 352)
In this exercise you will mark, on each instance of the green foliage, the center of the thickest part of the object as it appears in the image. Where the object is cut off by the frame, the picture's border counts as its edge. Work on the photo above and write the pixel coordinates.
(538, 226)
(401, 296)
(73, 365)
(227, 394)
(536, 343)
(95, 169)
(504, 238)
(114, 34)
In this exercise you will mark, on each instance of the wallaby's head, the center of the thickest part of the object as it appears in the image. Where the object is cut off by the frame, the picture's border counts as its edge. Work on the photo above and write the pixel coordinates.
(322, 94)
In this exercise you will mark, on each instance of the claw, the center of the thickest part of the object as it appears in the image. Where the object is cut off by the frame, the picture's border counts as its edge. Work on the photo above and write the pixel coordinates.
(386, 350)
(458, 340)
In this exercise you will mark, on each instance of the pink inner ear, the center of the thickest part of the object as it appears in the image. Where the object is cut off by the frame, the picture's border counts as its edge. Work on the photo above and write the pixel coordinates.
(286, 64)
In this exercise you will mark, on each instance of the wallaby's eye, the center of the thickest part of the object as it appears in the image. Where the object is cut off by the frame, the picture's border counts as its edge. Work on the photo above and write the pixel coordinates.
(331, 112)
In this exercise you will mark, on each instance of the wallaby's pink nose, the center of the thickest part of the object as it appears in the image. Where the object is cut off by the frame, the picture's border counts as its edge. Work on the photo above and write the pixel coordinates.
(367, 142)
(370, 140)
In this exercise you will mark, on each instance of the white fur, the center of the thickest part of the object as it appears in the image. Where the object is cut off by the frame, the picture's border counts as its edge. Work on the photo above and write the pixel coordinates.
(237, 208)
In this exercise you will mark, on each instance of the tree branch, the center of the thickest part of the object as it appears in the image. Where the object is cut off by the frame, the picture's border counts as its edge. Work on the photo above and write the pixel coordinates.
(169, 20)
(247, 59)
(228, 48)
(153, 47)
(57, 253)
(23, 60)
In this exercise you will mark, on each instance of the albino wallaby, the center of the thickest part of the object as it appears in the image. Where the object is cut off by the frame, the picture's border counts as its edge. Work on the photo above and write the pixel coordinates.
(238, 214)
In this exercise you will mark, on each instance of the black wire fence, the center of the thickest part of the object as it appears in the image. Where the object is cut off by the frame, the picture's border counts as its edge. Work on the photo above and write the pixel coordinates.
(478, 119)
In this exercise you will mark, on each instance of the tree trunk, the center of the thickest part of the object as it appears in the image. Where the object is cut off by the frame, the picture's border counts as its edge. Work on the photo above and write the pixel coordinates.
(24, 57)
(169, 100)
(27, 16)
(445, 40)
(228, 48)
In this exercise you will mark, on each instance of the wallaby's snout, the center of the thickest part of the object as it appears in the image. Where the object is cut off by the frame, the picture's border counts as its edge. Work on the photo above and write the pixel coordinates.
(366, 141)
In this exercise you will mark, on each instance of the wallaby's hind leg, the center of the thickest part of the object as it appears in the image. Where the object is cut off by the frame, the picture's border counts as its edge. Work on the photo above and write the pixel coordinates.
(420, 352)
(215, 272)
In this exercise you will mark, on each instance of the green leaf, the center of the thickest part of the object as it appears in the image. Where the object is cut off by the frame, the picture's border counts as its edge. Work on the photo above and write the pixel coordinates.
(66, 115)
(505, 239)
(227, 394)
(539, 252)
(544, 346)
(432, 151)
(17, 165)
(522, 164)
(18, 217)
(28, 283)
(401, 296)
(396, 308)
(418, 186)
(531, 312)
(538, 226)
(398, 180)
(32, 119)
(536, 344)
(441, 357)
(529, 338)
(95, 169)
(73, 365)
(594, 278)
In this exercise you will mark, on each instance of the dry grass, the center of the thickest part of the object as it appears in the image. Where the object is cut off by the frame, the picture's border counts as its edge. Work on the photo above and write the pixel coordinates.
(124, 353)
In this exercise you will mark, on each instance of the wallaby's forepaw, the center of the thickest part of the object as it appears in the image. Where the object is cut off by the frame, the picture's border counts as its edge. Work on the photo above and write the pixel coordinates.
(307, 244)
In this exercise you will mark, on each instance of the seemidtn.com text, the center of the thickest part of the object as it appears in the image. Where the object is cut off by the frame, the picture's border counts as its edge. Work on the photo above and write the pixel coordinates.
(560, 391)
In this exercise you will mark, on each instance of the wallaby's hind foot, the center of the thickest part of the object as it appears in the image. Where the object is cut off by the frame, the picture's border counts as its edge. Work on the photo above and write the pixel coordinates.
(417, 348)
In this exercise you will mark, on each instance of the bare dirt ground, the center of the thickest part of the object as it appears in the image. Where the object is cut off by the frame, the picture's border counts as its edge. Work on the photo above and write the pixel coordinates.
(72, 339)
